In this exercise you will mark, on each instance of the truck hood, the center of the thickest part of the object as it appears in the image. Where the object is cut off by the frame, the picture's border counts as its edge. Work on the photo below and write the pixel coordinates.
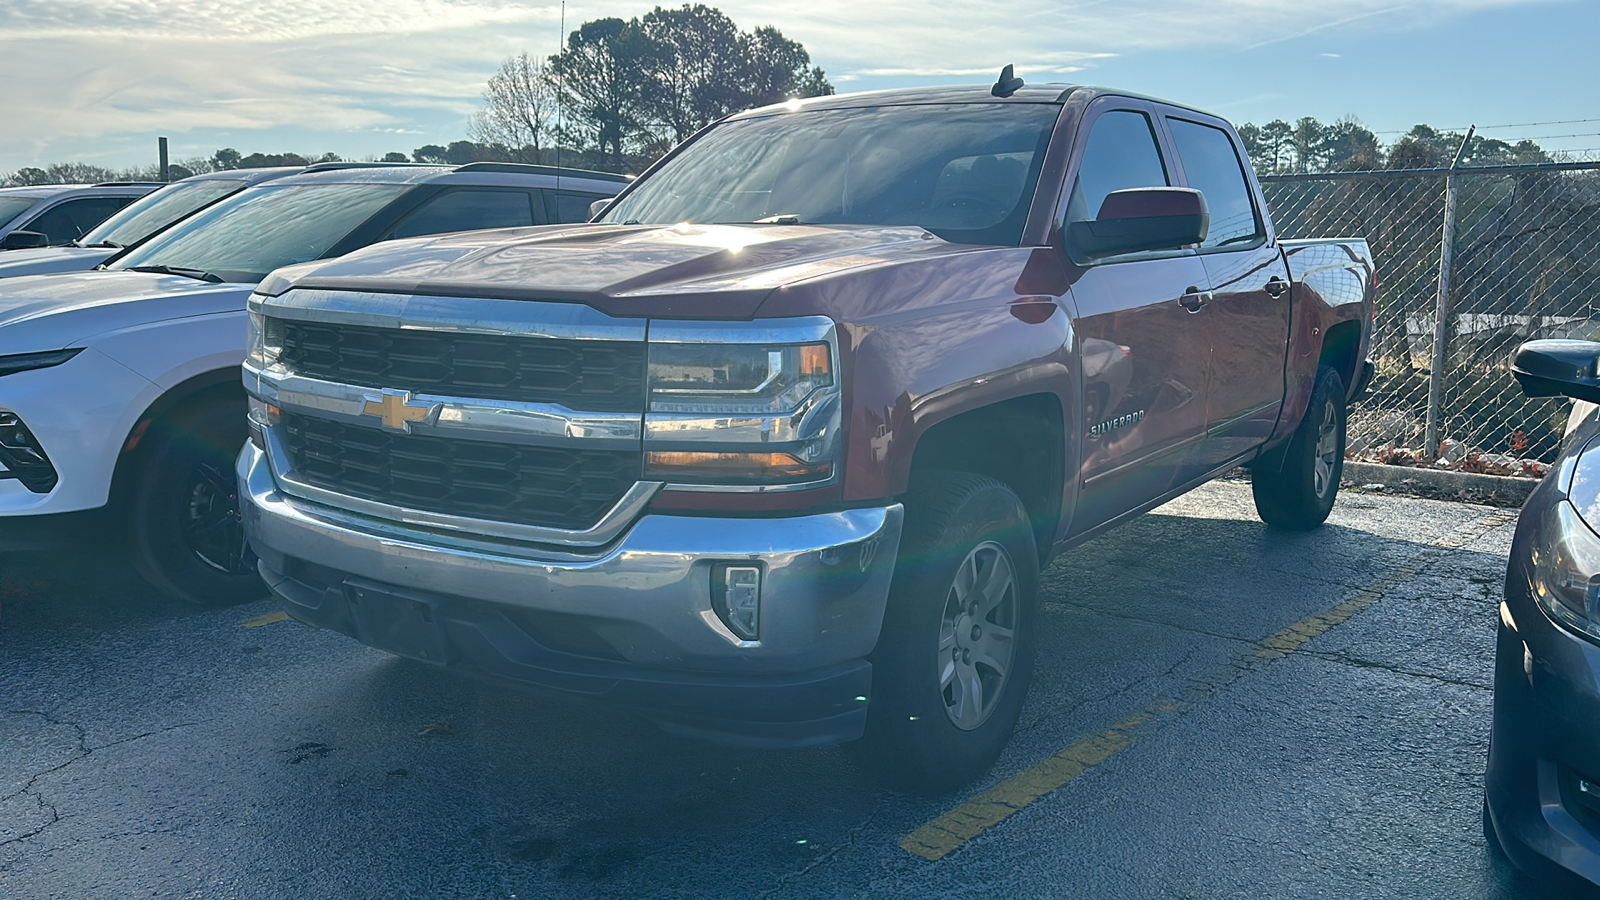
(48, 312)
(684, 270)
(50, 260)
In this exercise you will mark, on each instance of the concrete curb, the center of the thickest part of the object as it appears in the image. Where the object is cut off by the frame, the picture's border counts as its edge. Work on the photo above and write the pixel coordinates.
(1441, 481)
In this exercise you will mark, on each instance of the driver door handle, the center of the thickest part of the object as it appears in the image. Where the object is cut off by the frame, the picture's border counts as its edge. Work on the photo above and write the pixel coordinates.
(1276, 286)
(1194, 298)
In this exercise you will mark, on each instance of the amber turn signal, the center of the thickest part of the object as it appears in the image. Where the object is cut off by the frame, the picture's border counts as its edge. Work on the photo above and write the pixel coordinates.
(733, 468)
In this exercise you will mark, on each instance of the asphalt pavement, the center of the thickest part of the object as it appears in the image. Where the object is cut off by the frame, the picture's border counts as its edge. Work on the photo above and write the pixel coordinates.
(1219, 711)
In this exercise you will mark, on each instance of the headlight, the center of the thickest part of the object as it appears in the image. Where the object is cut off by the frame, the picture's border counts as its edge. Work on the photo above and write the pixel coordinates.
(736, 406)
(23, 362)
(1567, 572)
(263, 339)
(726, 379)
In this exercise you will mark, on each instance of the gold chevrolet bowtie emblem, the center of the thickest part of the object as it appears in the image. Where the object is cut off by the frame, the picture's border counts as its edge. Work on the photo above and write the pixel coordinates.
(396, 410)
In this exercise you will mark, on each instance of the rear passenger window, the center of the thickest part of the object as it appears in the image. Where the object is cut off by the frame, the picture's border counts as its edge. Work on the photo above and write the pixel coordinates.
(1213, 167)
(1121, 153)
(66, 222)
(572, 207)
(469, 210)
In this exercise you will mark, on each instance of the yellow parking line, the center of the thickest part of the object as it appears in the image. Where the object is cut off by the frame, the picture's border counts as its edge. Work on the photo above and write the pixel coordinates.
(270, 618)
(946, 834)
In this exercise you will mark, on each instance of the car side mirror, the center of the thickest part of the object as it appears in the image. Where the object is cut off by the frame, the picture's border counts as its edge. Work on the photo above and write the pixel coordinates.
(598, 207)
(1553, 368)
(1142, 219)
(24, 240)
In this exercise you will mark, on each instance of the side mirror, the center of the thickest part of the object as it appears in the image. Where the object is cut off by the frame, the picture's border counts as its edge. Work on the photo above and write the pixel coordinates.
(1142, 219)
(24, 240)
(1553, 368)
(598, 207)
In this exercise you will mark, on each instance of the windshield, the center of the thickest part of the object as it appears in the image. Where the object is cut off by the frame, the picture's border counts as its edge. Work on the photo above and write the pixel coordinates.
(965, 172)
(155, 211)
(245, 237)
(11, 207)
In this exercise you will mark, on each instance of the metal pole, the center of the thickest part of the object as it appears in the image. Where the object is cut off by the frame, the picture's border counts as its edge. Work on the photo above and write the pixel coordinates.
(1441, 324)
(166, 170)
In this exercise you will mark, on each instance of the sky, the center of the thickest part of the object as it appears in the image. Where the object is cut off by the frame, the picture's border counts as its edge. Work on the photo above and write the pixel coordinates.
(96, 81)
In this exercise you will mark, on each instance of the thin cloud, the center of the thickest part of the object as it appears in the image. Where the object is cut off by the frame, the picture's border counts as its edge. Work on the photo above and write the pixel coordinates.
(230, 20)
(98, 74)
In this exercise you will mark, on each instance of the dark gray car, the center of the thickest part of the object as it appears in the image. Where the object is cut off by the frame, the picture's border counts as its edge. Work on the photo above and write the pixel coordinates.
(1542, 791)
(49, 215)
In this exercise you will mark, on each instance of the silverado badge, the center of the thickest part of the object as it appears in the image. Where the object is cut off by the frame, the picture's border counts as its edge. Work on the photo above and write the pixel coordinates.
(398, 411)
(1101, 429)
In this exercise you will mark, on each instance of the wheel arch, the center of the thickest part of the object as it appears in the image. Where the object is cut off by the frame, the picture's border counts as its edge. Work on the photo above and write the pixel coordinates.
(1030, 432)
(215, 386)
(1341, 350)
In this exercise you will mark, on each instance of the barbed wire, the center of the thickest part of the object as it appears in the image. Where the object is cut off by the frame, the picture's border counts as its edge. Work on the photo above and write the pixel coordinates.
(1489, 127)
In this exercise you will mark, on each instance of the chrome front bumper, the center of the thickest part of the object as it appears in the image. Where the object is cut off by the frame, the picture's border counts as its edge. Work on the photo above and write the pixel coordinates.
(646, 599)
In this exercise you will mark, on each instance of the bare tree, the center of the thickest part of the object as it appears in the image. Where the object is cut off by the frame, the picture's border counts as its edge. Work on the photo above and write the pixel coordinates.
(519, 109)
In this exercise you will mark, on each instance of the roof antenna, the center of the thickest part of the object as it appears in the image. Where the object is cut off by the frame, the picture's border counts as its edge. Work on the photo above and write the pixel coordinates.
(1007, 85)
(560, 85)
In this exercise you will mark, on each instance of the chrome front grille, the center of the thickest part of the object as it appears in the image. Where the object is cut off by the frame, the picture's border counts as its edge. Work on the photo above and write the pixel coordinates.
(472, 418)
(590, 375)
(565, 487)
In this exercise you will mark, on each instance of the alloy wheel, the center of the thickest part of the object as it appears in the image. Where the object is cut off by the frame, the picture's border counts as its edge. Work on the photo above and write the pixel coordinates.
(977, 635)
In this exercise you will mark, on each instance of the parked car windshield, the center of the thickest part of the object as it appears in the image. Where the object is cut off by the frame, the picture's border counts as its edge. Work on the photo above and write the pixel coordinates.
(245, 237)
(11, 207)
(965, 172)
(157, 210)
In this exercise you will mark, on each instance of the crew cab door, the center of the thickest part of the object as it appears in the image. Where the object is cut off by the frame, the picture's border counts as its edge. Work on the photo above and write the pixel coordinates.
(1247, 313)
(1145, 355)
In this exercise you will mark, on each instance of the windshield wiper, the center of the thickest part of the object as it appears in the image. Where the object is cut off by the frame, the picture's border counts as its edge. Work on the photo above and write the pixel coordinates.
(197, 274)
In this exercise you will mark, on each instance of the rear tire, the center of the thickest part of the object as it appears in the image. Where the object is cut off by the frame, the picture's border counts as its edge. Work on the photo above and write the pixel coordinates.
(1298, 494)
(955, 657)
(186, 536)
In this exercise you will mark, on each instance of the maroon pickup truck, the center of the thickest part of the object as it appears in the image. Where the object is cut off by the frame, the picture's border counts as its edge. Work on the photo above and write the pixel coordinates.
(773, 451)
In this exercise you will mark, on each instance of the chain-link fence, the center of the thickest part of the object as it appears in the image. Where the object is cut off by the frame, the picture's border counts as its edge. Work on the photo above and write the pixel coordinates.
(1524, 262)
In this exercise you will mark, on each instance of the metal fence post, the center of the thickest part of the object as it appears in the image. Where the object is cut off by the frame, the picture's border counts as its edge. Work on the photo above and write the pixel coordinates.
(1441, 324)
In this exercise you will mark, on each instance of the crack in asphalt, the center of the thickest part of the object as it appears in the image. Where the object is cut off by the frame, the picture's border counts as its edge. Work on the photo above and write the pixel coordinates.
(849, 841)
(1176, 626)
(1172, 670)
(80, 752)
(1360, 663)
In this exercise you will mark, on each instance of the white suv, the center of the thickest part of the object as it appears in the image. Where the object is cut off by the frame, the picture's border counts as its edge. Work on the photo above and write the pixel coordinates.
(120, 390)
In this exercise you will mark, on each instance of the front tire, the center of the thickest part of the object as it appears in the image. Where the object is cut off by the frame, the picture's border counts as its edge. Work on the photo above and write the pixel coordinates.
(955, 657)
(1298, 494)
(186, 535)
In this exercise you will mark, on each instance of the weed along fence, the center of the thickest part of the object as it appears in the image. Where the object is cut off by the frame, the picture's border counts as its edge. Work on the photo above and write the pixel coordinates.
(1499, 255)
